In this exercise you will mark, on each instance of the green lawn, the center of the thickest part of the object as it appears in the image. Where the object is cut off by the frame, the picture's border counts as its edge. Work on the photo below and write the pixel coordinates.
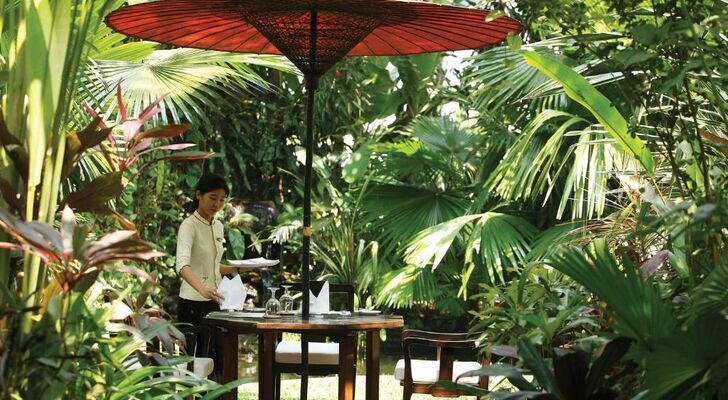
(325, 388)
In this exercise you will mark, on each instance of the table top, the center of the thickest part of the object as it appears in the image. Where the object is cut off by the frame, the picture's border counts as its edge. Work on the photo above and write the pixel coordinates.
(354, 322)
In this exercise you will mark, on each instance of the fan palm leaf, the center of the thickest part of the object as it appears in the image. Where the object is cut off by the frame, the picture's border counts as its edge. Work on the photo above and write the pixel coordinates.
(412, 161)
(414, 286)
(497, 240)
(196, 81)
(400, 211)
(553, 240)
(444, 136)
(637, 308)
(545, 158)
(501, 77)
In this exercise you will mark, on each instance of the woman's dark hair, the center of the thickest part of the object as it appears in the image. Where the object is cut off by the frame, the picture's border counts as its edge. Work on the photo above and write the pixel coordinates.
(206, 184)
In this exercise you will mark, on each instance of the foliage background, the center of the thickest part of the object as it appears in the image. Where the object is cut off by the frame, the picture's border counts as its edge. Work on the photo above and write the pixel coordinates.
(481, 191)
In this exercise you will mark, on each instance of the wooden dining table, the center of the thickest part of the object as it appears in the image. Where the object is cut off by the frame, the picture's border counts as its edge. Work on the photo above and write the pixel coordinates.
(342, 329)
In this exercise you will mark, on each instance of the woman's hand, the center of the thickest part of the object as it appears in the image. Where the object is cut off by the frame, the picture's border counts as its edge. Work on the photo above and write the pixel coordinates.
(206, 292)
(212, 294)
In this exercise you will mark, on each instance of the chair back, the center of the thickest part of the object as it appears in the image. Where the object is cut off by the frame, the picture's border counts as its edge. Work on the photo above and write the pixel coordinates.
(446, 344)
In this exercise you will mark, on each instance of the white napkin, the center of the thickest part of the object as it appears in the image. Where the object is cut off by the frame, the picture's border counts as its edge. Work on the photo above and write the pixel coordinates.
(234, 293)
(320, 304)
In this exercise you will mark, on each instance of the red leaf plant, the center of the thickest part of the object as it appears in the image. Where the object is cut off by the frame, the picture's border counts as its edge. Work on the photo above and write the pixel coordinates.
(73, 258)
(129, 143)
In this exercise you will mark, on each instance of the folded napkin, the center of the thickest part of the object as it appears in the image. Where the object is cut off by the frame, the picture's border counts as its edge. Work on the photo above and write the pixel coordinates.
(320, 304)
(234, 293)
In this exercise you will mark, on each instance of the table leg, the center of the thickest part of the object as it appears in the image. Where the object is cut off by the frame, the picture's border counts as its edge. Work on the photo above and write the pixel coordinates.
(347, 359)
(230, 362)
(372, 376)
(266, 354)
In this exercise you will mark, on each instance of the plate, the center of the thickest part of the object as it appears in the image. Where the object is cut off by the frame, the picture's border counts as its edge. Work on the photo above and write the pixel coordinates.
(253, 262)
(336, 314)
(253, 309)
(288, 312)
(369, 312)
(228, 314)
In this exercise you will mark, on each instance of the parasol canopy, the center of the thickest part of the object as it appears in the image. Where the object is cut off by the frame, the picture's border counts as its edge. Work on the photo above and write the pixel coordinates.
(342, 27)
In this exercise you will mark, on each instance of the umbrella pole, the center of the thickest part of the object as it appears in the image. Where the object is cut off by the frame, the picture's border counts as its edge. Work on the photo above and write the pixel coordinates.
(311, 85)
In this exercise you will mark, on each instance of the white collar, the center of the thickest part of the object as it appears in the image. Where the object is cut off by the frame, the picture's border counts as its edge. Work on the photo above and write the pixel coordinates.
(202, 219)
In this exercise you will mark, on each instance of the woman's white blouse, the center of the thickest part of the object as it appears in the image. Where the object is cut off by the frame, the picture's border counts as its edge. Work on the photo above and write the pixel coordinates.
(200, 245)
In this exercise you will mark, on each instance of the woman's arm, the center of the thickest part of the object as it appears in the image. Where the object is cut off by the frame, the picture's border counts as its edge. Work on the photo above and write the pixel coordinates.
(229, 269)
(190, 277)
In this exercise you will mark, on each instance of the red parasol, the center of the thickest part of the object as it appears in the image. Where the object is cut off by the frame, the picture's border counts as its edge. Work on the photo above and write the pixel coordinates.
(314, 35)
(341, 27)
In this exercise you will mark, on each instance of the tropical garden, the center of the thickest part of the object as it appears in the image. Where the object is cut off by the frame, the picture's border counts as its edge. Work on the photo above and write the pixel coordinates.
(561, 197)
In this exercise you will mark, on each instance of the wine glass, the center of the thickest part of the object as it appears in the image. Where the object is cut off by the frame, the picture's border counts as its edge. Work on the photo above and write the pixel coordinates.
(272, 306)
(286, 300)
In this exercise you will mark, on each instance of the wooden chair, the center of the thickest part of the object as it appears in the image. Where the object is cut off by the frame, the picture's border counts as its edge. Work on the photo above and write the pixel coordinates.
(417, 376)
(154, 352)
(323, 357)
(197, 344)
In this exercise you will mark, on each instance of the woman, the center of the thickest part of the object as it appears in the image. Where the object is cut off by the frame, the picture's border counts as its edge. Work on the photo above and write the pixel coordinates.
(199, 251)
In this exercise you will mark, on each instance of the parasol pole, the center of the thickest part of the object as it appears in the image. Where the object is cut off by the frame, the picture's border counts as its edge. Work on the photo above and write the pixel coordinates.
(311, 79)
(311, 84)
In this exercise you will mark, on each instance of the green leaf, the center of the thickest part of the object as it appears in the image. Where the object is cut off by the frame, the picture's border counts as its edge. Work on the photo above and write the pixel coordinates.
(162, 132)
(649, 34)
(637, 309)
(579, 89)
(237, 243)
(514, 41)
(633, 56)
(536, 364)
(612, 353)
(683, 363)
(493, 15)
(506, 370)
(132, 52)
(357, 165)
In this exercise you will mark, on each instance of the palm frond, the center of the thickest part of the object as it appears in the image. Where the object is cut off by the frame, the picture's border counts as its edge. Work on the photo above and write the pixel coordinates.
(400, 211)
(411, 286)
(498, 240)
(554, 239)
(637, 308)
(445, 136)
(109, 45)
(412, 161)
(712, 294)
(499, 76)
(195, 81)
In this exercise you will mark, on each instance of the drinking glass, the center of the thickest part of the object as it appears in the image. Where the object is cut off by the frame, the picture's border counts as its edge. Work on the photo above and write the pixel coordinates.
(272, 306)
(286, 300)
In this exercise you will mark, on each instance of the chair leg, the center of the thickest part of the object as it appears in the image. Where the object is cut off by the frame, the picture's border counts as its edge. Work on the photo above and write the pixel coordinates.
(277, 377)
(406, 392)
(353, 382)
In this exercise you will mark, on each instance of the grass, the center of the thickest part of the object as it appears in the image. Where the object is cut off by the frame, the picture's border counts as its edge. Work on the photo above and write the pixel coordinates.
(325, 388)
